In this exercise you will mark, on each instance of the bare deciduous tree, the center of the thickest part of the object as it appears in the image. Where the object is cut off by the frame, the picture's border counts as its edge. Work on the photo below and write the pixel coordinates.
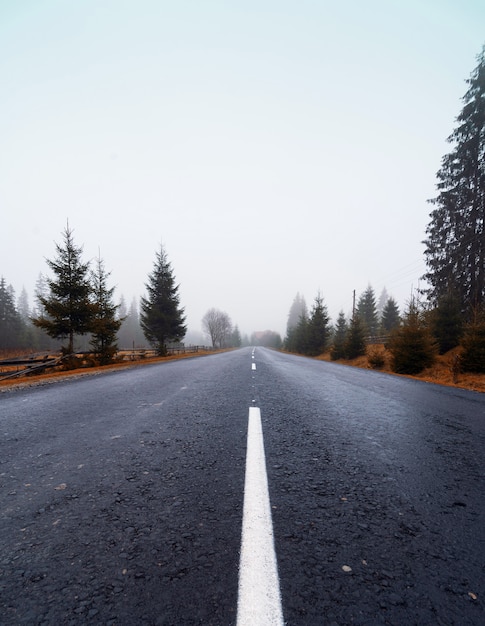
(217, 324)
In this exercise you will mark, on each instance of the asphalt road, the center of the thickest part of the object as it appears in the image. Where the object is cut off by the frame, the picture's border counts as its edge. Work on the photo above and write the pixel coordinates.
(121, 495)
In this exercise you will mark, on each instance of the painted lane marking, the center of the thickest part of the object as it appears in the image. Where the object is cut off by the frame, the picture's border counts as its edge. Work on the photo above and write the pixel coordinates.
(253, 366)
(259, 598)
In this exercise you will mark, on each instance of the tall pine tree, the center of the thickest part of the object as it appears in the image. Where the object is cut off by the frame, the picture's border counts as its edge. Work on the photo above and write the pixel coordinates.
(318, 330)
(455, 246)
(67, 310)
(161, 317)
(390, 316)
(367, 311)
(337, 351)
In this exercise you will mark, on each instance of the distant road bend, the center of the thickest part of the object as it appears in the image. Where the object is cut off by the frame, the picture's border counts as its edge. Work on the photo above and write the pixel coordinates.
(248, 487)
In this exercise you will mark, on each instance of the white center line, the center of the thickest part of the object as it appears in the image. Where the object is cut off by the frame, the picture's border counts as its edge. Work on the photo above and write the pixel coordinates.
(259, 600)
(253, 366)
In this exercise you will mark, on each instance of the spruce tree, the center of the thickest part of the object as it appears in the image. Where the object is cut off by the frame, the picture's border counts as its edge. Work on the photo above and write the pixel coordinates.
(337, 351)
(455, 246)
(390, 316)
(105, 323)
(318, 331)
(67, 310)
(411, 344)
(367, 311)
(162, 319)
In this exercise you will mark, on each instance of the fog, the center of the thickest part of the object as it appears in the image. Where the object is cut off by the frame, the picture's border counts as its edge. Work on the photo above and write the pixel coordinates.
(272, 147)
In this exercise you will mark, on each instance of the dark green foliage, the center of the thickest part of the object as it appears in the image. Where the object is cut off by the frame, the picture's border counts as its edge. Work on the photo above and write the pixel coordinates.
(390, 316)
(473, 355)
(162, 319)
(67, 309)
(367, 311)
(310, 335)
(411, 345)
(455, 246)
(337, 351)
(446, 322)
(105, 323)
(317, 331)
(355, 344)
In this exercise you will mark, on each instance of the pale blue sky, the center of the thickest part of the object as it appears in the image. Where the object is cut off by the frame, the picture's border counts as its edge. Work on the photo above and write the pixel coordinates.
(273, 146)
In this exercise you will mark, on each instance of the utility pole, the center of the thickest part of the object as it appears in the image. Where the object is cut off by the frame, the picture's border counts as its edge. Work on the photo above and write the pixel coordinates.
(353, 305)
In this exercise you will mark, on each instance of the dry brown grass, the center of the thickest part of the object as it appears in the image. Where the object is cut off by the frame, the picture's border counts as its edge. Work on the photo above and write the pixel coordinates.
(440, 373)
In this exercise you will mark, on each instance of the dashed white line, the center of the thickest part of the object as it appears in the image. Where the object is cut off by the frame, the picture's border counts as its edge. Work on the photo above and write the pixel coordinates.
(253, 366)
(259, 599)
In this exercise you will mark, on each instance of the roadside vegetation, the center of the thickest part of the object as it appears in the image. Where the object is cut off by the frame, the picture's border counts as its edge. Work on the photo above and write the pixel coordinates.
(445, 322)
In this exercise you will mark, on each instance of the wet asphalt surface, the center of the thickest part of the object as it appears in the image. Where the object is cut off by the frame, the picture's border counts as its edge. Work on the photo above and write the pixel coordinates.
(121, 495)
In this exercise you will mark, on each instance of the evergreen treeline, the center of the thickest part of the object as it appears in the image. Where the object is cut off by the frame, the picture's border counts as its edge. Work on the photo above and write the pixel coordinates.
(413, 338)
(454, 313)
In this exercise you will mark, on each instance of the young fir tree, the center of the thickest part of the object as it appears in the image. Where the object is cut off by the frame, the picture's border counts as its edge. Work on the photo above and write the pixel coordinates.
(472, 358)
(67, 309)
(337, 351)
(411, 344)
(455, 246)
(317, 331)
(367, 311)
(390, 316)
(105, 323)
(161, 317)
(355, 344)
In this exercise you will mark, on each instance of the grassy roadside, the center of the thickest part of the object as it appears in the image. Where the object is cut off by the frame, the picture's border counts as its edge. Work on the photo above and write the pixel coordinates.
(440, 373)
